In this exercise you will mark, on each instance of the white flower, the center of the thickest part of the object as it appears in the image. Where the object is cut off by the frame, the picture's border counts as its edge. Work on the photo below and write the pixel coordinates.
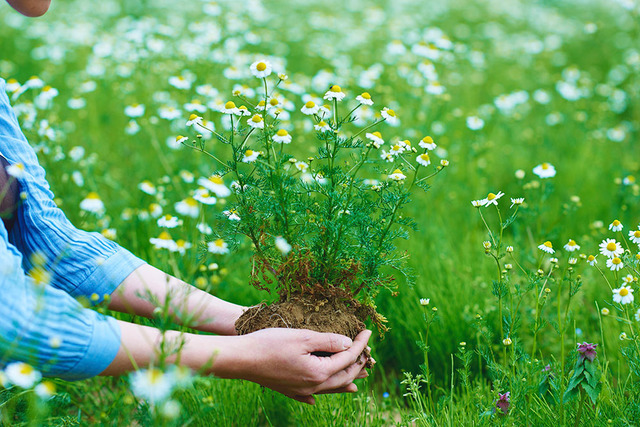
(261, 69)
(628, 279)
(151, 384)
(16, 170)
(334, 93)
(478, 203)
(616, 226)
(492, 198)
(615, 264)
(517, 201)
(282, 245)
(634, 236)
(230, 108)
(397, 175)
(475, 123)
(390, 116)
(545, 170)
(250, 156)
(572, 246)
(375, 138)
(427, 142)
(610, 248)
(547, 247)
(282, 136)
(386, 156)
(232, 214)
(203, 196)
(169, 221)
(424, 301)
(623, 295)
(310, 108)
(423, 159)
(147, 187)
(188, 207)
(215, 184)
(180, 82)
(134, 110)
(322, 126)
(163, 241)
(591, 259)
(22, 374)
(92, 203)
(301, 166)
(256, 122)
(204, 228)
(364, 98)
(194, 119)
(45, 390)
(218, 246)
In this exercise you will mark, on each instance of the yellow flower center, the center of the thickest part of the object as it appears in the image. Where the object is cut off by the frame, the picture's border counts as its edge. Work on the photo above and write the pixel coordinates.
(164, 236)
(424, 157)
(47, 88)
(179, 137)
(611, 246)
(261, 66)
(591, 258)
(491, 196)
(229, 105)
(572, 242)
(193, 117)
(26, 369)
(191, 201)
(616, 261)
(248, 153)
(256, 118)
(310, 104)
(273, 102)
(616, 223)
(242, 107)
(282, 132)
(12, 81)
(93, 195)
(167, 217)
(427, 140)
(624, 292)
(545, 166)
(219, 242)
(216, 179)
(396, 147)
(378, 134)
(548, 244)
(365, 95)
(397, 171)
(636, 233)
(322, 124)
(391, 112)
(336, 88)
(181, 243)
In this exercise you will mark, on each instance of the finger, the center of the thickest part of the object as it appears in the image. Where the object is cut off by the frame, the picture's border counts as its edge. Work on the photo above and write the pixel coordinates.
(328, 342)
(363, 374)
(309, 400)
(341, 379)
(344, 359)
(351, 388)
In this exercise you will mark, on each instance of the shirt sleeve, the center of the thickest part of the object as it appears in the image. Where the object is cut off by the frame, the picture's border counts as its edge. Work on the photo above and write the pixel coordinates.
(82, 263)
(47, 328)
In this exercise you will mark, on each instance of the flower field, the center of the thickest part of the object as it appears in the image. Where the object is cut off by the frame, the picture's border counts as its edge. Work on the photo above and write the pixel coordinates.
(514, 271)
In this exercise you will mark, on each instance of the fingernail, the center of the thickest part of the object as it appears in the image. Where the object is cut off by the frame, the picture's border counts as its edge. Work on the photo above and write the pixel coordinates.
(346, 343)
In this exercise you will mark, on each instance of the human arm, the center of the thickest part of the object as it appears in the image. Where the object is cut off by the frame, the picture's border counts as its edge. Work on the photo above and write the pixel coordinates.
(280, 359)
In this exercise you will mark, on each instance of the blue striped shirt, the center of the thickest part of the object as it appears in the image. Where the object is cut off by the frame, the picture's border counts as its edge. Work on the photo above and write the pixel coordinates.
(44, 324)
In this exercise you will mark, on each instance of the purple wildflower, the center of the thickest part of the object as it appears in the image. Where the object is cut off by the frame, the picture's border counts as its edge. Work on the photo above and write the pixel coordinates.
(547, 368)
(503, 402)
(587, 351)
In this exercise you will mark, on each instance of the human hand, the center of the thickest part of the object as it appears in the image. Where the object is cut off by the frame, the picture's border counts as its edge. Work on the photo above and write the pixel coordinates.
(282, 360)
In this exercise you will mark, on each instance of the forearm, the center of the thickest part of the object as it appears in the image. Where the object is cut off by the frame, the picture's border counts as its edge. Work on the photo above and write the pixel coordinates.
(147, 288)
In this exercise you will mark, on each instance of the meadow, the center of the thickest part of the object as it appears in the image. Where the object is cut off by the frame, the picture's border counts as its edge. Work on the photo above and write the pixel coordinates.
(538, 101)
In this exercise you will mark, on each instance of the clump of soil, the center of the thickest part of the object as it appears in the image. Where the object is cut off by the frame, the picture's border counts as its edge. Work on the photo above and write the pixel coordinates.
(320, 312)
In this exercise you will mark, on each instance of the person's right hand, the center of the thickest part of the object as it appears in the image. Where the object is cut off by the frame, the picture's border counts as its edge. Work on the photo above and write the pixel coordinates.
(282, 360)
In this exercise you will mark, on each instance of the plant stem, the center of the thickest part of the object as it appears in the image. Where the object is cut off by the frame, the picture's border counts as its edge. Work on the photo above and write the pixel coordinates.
(583, 396)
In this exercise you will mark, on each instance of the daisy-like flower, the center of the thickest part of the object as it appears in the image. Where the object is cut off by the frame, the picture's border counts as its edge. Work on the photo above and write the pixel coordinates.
(215, 184)
(547, 247)
(628, 279)
(243, 111)
(22, 374)
(492, 198)
(475, 123)
(204, 228)
(390, 116)
(230, 108)
(188, 207)
(180, 82)
(364, 98)
(572, 246)
(424, 301)
(282, 245)
(478, 203)
(180, 139)
(615, 264)
(427, 142)
(397, 175)
(16, 170)
(396, 149)
(282, 136)
(423, 159)
(517, 201)
(134, 110)
(610, 248)
(545, 170)
(310, 108)
(169, 221)
(250, 156)
(623, 295)
(151, 384)
(195, 105)
(335, 92)
(203, 196)
(194, 119)
(386, 156)
(375, 138)
(45, 390)
(591, 259)
(261, 69)
(634, 236)
(147, 187)
(232, 214)
(218, 246)
(616, 226)
(92, 203)
(181, 246)
(322, 126)
(256, 122)
(301, 166)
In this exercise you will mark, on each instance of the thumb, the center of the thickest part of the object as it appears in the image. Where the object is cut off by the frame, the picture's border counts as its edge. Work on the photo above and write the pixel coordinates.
(331, 343)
